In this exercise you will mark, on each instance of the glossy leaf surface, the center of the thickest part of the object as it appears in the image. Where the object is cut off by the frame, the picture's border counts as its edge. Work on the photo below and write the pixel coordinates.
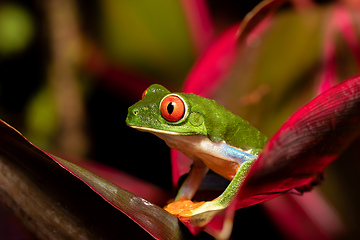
(67, 204)
(156, 221)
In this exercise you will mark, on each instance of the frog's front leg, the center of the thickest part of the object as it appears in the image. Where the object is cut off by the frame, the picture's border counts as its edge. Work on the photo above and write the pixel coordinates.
(193, 181)
(188, 189)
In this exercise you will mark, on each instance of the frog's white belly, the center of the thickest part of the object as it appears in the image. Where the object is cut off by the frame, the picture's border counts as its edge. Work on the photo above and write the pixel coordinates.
(218, 156)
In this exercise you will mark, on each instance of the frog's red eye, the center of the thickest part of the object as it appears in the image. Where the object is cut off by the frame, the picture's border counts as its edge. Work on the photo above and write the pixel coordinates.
(144, 93)
(172, 108)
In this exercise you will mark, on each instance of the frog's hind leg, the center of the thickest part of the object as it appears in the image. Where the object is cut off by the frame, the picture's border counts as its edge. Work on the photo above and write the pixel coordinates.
(230, 192)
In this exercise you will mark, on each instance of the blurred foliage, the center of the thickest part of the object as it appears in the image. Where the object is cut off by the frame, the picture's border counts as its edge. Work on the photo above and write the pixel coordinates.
(151, 37)
(16, 28)
(276, 69)
(41, 118)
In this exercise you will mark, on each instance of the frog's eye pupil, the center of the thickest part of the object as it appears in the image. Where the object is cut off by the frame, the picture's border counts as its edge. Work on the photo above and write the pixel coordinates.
(172, 108)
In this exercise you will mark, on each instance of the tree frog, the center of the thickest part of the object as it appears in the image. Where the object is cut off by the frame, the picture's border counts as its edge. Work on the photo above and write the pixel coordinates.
(203, 130)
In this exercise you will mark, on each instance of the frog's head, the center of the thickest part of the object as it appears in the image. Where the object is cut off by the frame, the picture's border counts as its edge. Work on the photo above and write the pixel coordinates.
(160, 111)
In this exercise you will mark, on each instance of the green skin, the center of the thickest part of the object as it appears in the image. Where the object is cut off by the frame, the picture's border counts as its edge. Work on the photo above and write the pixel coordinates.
(203, 130)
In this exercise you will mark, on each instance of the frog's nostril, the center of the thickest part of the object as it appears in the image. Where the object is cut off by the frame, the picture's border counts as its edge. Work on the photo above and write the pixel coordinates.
(135, 112)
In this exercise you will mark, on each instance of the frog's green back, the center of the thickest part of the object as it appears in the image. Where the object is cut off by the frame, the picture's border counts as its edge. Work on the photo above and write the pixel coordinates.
(221, 124)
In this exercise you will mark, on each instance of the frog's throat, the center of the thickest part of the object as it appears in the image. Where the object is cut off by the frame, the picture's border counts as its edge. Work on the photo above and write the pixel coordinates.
(218, 156)
(153, 130)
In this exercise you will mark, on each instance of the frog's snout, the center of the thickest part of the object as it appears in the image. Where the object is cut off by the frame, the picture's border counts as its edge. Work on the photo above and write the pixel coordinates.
(132, 113)
(139, 116)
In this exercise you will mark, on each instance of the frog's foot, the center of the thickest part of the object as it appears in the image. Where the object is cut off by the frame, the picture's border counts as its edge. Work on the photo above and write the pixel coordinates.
(207, 206)
(187, 208)
(195, 213)
(181, 206)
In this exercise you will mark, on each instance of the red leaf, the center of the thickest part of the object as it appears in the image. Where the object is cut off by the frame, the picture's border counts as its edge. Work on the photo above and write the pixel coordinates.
(305, 145)
(341, 22)
(200, 25)
(213, 65)
(292, 212)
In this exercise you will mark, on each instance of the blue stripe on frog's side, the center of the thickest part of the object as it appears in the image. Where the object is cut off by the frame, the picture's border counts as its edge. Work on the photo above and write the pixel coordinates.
(235, 154)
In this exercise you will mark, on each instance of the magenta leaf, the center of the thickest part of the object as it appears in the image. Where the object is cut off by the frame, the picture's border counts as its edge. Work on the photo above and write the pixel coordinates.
(296, 156)
(213, 64)
(55, 205)
(291, 212)
(340, 22)
(199, 21)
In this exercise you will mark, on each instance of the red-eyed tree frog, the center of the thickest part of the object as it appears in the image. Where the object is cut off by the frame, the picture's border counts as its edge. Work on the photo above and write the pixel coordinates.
(206, 132)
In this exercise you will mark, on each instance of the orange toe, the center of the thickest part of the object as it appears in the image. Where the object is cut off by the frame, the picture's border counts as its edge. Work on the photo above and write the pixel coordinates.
(179, 206)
